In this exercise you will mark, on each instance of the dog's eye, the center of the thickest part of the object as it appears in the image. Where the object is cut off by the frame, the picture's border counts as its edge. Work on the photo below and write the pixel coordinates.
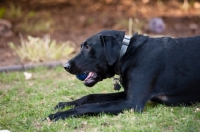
(87, 46)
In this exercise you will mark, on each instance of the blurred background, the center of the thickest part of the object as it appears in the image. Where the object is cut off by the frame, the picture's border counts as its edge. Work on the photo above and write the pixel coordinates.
(57, 22)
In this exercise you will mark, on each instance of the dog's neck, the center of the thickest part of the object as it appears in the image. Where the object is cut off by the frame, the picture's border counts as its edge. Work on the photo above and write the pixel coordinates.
(123, 49)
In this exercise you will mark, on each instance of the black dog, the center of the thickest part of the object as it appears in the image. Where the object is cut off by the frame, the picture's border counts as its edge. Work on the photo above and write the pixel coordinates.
(164, 70)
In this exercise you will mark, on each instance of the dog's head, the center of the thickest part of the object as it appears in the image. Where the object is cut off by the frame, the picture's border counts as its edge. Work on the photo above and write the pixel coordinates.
(97, 56)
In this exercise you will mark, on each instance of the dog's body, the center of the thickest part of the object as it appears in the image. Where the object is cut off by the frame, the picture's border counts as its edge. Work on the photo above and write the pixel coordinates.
(163, 70)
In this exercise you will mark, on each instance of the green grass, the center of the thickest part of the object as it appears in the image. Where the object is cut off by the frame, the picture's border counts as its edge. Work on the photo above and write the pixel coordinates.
(24, 103)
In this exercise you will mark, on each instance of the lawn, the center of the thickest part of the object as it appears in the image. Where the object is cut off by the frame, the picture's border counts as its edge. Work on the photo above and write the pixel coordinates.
(24, 103)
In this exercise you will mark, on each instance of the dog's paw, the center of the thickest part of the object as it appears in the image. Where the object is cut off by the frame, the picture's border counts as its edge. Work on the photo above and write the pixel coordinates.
(57, 116)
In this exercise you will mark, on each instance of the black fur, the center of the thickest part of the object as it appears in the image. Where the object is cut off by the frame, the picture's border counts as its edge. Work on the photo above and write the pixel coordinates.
(164, 70)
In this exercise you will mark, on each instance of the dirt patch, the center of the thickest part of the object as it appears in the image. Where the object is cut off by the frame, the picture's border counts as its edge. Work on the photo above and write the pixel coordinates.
(76, 20)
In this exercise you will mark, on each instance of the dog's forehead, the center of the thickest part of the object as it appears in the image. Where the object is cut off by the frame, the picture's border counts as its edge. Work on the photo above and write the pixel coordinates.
(97, 36)
(95, 39)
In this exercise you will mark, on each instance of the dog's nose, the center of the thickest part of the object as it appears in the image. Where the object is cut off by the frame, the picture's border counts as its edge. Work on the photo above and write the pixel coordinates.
(67, 66)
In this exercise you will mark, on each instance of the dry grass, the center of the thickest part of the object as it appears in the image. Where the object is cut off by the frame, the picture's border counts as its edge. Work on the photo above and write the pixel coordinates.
(42, 49)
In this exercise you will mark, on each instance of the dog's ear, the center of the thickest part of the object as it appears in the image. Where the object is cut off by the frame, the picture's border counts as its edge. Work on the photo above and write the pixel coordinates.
(111, 46)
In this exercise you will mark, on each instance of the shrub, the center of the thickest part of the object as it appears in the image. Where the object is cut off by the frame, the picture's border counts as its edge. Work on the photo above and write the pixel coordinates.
(36, 49)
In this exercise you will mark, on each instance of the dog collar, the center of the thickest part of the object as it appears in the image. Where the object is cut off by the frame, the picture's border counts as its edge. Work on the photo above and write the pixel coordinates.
(124, 47)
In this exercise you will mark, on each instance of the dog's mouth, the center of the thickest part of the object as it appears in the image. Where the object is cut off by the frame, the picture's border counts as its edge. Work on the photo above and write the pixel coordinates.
(91, 79)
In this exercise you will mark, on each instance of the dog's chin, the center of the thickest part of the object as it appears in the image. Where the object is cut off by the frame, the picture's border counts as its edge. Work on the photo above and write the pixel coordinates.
(91, 79)
(90, 83)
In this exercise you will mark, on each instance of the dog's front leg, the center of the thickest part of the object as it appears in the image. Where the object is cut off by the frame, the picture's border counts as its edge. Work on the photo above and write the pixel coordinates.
(114, 107)
(92, 98)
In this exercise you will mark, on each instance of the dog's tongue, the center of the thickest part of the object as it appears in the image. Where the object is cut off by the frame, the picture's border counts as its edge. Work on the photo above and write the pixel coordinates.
(90, 76)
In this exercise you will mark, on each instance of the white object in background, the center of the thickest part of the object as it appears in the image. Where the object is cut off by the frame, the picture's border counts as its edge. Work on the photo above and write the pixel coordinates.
(4, 131)
(27, 75)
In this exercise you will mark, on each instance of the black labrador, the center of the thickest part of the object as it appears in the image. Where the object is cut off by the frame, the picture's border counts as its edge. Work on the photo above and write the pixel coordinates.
(164, 70)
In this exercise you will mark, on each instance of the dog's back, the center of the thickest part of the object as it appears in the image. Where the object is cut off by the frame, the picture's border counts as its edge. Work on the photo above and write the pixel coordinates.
(180, 78)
